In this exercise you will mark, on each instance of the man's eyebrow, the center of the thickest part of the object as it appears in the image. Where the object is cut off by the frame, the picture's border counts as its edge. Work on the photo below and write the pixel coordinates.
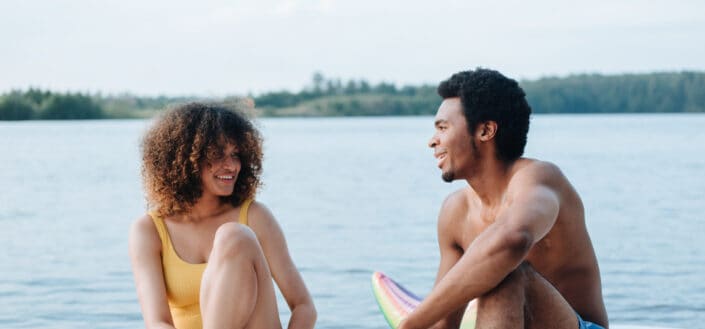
(439, 121)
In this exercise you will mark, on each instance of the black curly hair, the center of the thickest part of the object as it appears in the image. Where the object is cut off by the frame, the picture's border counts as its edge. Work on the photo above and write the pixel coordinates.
(184, 138)
(487, 95)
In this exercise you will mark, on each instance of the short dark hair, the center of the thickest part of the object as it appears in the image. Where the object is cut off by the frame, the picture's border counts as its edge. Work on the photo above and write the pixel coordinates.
(187, 136)
(487, 95)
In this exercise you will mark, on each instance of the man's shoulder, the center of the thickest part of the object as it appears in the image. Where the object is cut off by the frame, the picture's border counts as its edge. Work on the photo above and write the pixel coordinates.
(458, 197)
(538, 171)
(457, 203)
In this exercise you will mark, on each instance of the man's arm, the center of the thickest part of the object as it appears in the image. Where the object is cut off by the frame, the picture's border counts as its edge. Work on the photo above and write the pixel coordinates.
(495, 252)
(450, 250)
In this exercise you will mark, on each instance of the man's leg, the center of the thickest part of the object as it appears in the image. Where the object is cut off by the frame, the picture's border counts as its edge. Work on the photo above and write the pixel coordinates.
(236, 288)
(524, 299)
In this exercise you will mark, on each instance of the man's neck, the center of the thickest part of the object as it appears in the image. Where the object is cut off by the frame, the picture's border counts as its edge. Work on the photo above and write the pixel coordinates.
(490, 181)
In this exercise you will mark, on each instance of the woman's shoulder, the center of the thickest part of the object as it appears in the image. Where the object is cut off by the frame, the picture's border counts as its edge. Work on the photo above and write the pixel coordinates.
(258, 211)
(143, 233)
(261, 219)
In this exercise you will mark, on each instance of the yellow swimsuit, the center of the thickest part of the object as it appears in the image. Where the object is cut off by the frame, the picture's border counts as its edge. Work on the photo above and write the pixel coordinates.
(182, 279)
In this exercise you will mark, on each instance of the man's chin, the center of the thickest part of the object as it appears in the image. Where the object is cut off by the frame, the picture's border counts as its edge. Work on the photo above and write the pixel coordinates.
(448, 177)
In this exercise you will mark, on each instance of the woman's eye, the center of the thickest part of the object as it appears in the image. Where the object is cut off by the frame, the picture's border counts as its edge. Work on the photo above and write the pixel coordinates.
(216, 155)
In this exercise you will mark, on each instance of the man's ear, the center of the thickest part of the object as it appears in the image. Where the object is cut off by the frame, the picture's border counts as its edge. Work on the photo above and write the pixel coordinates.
(486, 130)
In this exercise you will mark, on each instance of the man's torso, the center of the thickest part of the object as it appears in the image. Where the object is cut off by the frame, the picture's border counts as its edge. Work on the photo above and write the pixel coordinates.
(565, 256)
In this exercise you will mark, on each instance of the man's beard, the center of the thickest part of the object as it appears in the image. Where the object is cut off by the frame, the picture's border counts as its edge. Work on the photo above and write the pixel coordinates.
(448, 176)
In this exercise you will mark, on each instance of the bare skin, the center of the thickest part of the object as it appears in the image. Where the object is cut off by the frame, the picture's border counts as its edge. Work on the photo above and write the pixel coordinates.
(236, 287)
(515, 238)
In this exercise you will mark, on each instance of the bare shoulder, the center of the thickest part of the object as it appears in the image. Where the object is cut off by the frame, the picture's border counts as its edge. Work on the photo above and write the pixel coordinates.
(143, 226)
(143, 234)
(532, 175)
(259, 212)
(527, 171)
(455, 206)
(456, 201)
(261, 219)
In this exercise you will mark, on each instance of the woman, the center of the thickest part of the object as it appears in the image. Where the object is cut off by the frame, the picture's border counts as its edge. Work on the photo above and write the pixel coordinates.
(205, 254)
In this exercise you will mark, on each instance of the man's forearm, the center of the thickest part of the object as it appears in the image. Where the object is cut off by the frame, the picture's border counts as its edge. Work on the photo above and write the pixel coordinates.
(485, 264)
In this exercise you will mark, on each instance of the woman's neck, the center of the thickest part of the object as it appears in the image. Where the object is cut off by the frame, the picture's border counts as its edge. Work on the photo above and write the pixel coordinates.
(207, 208)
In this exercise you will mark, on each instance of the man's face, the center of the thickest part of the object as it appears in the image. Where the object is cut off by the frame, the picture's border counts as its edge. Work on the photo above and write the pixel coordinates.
(452, 144)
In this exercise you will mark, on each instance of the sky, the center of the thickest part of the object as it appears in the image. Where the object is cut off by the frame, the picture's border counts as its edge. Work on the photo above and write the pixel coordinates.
(237, 47)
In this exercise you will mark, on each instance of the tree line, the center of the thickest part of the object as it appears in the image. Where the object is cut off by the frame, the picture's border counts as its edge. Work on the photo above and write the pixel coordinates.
(45, 105)
(668, 92)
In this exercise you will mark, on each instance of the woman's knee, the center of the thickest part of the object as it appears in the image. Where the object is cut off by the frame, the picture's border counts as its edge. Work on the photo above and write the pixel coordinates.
(232, 239)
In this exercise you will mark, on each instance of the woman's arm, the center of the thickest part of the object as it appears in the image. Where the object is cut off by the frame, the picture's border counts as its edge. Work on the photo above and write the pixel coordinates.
(284, 272)
(145, 254)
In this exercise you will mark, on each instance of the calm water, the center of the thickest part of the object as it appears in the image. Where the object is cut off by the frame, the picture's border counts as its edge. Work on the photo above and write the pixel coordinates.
(353, 196)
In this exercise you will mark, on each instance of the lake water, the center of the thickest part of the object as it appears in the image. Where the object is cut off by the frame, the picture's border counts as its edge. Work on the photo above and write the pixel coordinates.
(353, 195)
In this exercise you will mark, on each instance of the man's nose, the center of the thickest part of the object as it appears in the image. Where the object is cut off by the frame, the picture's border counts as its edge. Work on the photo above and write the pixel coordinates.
(433, 141)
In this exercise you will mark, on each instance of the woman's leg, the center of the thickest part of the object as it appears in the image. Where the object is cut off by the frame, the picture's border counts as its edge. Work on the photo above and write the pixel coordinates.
(237, 289)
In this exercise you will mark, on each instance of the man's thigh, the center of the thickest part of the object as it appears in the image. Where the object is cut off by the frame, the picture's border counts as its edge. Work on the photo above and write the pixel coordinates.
(545, 306)
(525, 299)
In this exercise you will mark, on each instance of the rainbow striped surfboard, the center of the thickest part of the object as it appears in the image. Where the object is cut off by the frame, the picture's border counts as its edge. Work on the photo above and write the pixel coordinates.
(396, 302)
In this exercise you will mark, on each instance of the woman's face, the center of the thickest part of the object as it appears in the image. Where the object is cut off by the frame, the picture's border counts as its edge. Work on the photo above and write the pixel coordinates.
(219, 171)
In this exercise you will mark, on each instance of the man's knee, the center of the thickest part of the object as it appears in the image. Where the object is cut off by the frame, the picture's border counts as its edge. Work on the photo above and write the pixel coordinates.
(233, 239)
(514, 284)
(519, 275)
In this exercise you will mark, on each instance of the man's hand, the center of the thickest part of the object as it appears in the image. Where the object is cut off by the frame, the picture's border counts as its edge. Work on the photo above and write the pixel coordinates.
(403, 324)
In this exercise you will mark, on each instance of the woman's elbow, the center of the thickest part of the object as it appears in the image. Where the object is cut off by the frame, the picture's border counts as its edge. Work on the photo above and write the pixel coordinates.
(306, 310)
(312, 313)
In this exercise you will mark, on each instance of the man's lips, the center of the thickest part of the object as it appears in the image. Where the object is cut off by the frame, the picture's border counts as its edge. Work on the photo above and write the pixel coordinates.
(440, 156)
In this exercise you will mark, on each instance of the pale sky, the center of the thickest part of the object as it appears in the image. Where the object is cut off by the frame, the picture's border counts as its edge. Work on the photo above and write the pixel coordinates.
(216, 48)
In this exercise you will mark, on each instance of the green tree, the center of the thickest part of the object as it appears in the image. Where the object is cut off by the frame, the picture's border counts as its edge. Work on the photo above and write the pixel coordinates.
(15, 107)
(71, 107)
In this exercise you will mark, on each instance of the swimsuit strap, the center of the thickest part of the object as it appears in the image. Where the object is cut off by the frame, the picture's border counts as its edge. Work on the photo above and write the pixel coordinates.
(161, 230)
(243, 212)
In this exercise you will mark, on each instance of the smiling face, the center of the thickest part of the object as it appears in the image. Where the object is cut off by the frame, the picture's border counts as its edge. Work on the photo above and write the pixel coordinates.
(220, 170)
(452, 143)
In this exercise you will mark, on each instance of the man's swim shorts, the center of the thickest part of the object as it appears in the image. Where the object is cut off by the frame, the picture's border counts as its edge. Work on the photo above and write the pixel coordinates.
(582, 324)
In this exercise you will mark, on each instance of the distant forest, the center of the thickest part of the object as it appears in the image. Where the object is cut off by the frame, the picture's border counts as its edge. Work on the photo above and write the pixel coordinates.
(674, 92)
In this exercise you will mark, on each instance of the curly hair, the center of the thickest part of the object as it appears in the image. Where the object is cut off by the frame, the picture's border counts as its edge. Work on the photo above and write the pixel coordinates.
(184, 138)
(487, 95)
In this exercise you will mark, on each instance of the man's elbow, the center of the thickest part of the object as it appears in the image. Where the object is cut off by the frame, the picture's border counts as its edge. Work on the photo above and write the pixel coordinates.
(518, 242)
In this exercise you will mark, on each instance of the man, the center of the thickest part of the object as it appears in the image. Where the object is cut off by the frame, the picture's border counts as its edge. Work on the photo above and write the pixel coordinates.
(515, 238)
